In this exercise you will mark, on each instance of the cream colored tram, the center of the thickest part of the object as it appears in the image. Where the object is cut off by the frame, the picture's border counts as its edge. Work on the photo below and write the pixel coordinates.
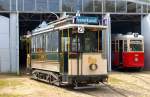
(71, 50)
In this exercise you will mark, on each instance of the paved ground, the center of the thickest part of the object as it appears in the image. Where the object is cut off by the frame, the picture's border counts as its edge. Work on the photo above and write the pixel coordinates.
(121, 84)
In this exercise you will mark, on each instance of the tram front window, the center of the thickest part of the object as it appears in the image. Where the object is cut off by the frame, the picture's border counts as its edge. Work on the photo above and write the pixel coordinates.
(86, 42)
(136, 45)
(91, 42)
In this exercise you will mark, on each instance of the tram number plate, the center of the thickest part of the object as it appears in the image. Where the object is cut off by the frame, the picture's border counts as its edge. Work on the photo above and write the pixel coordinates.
(80, 29)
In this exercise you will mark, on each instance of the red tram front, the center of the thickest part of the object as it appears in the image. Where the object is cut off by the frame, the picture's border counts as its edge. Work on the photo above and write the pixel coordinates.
(128, 51)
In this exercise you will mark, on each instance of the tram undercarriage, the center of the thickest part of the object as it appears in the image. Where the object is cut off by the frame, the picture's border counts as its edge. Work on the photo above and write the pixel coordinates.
(61, 80)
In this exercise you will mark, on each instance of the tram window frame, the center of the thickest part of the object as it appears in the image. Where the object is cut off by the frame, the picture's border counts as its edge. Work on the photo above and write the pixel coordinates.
(113, 45)
(51, 37)
(39, 43)
(117, 45)
(33, 45)
(36, 47)
(46, 40)
(75, 45)
(125, 45)
(135, 50)
(100, 40)
(91, 42)
(43, 42)
(64, 40)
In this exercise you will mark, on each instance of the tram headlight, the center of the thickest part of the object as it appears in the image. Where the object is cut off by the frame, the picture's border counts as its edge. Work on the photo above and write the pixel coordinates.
(136, 59)
(93, 67)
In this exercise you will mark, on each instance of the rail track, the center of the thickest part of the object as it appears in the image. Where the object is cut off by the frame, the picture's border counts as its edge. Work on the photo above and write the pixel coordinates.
(96, 92)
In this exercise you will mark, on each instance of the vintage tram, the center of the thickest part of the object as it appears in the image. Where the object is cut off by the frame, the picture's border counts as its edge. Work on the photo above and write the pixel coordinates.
(128, 51)
(71, 50)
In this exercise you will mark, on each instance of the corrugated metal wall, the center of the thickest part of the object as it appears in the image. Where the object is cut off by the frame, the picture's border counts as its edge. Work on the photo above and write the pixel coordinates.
(4, 45)
(9, 44)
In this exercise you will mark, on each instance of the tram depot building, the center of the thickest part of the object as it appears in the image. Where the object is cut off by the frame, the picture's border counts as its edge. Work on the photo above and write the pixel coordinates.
(19, 17)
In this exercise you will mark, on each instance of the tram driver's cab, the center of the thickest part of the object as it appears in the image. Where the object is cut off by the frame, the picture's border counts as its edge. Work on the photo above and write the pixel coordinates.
(83, 53)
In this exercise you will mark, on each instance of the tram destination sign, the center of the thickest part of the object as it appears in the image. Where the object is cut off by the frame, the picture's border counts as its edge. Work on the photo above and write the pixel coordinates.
(86, 20)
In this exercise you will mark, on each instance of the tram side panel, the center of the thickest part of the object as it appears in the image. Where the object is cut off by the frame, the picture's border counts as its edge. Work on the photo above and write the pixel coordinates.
(115, 53)
(49, 66)
(43, 57)
(88, 64)
(115, 58)
(133, 59)
(91, 64)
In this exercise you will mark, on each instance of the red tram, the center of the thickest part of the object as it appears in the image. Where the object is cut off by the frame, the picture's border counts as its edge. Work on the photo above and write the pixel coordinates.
(128, 51)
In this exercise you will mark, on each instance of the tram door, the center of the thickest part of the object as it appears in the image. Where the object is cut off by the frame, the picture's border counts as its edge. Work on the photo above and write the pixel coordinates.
(70, 48)
(120, 50)
(64, 47)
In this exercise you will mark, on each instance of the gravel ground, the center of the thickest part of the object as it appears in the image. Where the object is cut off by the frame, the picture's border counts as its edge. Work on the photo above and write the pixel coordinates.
(120, 84)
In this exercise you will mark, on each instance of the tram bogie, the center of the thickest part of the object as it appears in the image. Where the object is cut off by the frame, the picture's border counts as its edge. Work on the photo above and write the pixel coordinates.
(69, 52)
(128, 51)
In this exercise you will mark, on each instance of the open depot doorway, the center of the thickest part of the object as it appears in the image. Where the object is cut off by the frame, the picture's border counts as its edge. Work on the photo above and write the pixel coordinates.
(28, 22)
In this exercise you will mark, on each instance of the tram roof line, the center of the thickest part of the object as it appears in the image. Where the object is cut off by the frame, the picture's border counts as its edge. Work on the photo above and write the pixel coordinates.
(101, 27)
(126, 36)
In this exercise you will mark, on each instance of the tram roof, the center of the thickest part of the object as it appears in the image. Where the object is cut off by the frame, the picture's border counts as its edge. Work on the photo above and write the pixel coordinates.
(122, 36)
(67, 26)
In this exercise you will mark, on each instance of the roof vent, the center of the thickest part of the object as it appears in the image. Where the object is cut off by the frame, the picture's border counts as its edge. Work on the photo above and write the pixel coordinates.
(119, 34)
(136, 34)
(43, 24)
(129, 33)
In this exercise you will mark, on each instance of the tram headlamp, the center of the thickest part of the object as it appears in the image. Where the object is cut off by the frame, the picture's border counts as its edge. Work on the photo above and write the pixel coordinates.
(136, 59)
(93, 67)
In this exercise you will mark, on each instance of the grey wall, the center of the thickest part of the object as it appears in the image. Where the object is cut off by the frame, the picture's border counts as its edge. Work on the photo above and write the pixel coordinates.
(4, 45)
(9, 44)
(145, 30)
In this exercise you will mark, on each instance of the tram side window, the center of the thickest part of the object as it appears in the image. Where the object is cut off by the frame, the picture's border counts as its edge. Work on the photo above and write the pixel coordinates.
(39, 40)
(125, 45)
(44, 42)
(52, 42)
(113, 45)
(33, 44)
(64, 42)
(75, 44)
(52, 46)
(117, 45)
(91, 42)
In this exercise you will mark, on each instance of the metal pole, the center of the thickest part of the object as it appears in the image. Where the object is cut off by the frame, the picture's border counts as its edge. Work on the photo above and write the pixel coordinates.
(98, 41)
(62, 49)
(68, 46)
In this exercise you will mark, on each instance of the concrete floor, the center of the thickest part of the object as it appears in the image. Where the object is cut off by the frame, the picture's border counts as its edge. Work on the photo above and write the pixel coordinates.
(120, 84)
